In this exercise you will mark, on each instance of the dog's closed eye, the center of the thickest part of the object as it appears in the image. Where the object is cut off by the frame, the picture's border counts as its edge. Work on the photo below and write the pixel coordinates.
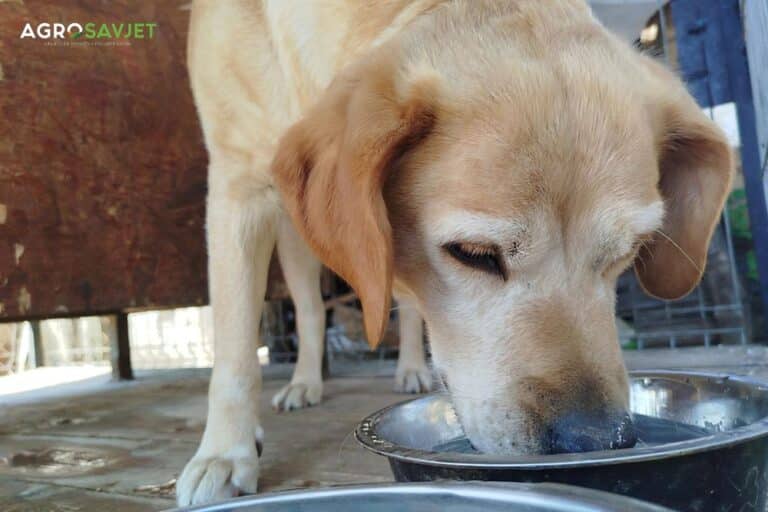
(481, 257)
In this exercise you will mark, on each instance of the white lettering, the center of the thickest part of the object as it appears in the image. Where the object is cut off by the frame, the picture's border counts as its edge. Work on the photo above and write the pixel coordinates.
(27, 32)
(44, 30)
(74, 28)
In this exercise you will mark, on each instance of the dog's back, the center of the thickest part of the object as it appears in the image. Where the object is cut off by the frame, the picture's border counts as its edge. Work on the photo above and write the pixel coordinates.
(256, 65)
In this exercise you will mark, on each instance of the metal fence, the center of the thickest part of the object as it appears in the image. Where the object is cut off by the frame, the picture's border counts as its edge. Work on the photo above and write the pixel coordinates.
(716, 311)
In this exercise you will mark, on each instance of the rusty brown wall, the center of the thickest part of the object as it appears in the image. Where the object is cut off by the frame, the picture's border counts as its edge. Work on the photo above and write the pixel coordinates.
(102, 167)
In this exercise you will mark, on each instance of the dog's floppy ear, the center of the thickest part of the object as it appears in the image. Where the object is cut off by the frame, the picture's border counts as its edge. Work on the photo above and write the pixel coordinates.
(331, 167)
(695, 167)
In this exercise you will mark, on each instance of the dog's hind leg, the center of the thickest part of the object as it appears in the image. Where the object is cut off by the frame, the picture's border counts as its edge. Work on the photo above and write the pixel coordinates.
(413, 374)
(302, 275)
(241, 238)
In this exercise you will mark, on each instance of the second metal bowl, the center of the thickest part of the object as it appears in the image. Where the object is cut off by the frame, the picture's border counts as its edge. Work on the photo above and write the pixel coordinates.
(443, 497)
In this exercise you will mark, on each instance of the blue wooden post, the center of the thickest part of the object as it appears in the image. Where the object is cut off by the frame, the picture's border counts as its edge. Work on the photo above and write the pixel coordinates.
(713, 62)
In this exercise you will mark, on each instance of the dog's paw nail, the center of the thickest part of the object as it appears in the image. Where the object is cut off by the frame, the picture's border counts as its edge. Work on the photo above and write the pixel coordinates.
(413, 381)
(210, 479)
(297, 396)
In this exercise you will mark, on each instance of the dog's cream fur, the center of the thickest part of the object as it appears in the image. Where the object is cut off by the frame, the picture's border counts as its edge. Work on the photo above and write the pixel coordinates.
(393, 132)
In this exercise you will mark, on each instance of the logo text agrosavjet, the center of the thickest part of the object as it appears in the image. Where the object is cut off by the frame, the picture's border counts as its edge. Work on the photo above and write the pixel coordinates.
(90, 30)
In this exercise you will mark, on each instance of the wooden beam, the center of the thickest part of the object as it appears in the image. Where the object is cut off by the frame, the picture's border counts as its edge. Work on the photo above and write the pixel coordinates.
(37, 341)
(121, 350)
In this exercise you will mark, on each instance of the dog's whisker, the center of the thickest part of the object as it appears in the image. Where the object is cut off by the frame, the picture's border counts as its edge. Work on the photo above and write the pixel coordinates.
(676, 246)
(641, 260)
(340, 455)
(451, 394)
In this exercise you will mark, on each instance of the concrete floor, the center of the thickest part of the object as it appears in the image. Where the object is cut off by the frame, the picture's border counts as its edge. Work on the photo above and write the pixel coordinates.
(120, 446)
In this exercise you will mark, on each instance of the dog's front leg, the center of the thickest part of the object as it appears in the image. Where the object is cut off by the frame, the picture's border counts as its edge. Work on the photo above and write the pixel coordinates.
(412, 375)
(301, 270)
(240, 240)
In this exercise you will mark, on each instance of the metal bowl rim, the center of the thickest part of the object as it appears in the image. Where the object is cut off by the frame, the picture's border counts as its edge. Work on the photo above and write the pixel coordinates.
(499, 492)
(719, 440)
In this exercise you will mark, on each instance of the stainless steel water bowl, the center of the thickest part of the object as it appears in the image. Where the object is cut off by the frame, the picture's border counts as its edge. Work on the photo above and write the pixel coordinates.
(445, 497)
(722, 471)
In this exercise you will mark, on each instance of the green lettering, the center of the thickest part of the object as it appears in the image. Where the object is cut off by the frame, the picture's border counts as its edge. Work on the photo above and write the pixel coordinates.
(117, 29)
(90, 30)
(103, 32)
(138, 30)
(151, 27)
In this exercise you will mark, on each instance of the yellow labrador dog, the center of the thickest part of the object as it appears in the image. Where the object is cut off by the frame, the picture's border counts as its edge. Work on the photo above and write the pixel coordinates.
(496, 163)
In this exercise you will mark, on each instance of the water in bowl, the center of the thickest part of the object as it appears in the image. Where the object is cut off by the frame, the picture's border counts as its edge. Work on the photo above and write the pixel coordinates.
(651, 431)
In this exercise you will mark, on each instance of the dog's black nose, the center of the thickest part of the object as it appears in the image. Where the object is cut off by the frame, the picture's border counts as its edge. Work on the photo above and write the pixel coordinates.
(579, 432)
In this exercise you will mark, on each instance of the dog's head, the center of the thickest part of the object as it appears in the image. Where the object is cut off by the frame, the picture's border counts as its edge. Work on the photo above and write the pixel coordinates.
(505, 188)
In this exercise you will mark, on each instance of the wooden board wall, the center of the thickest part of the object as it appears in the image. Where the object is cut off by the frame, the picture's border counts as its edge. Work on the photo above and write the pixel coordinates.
(102, 166)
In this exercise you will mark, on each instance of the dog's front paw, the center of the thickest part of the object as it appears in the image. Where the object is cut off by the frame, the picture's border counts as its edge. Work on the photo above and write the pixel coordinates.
(220, 470)
(297, 396)
(211, 479)
(413, 380)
